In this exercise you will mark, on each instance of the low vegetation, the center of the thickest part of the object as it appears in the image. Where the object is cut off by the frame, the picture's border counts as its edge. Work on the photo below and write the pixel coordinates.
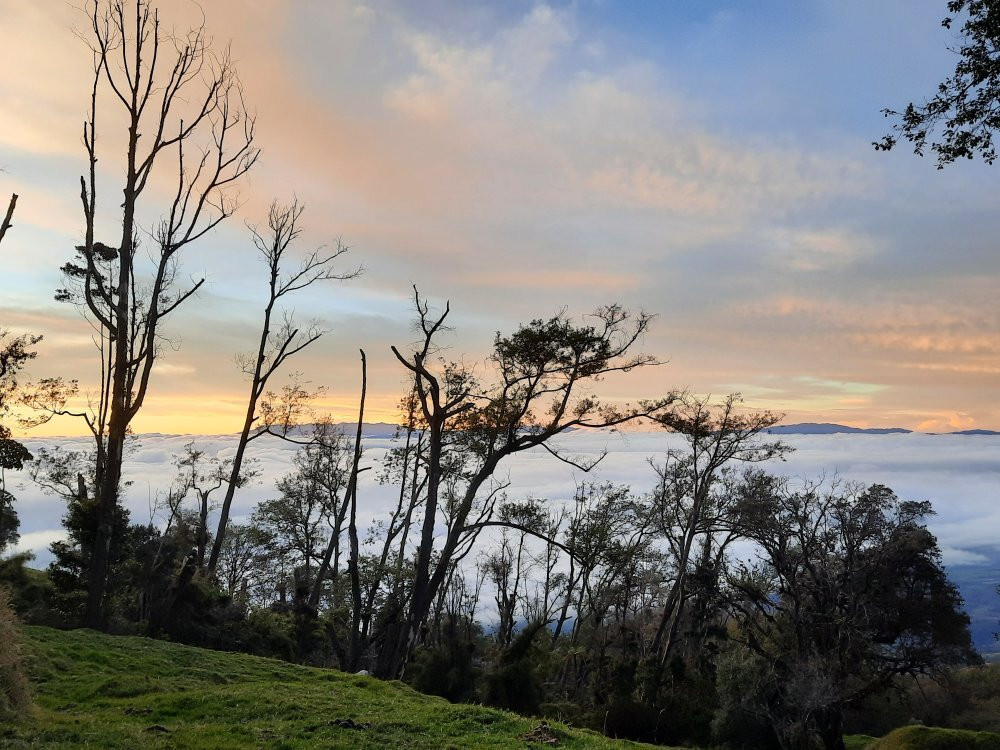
(111, 692)
(935, 738)
(15, 697)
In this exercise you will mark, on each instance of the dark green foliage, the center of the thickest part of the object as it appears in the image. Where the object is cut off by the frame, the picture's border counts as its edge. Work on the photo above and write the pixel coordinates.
(959, 121)
(736, 729)
(29, 589)
(69, 570)
(685, 704)
(13, 455)
(9, 522)
(970, 700)
(963, 699)
(204, 616)
(848, 597)
(269, 633)
(626, 719)
(444, 670)
(514, 682)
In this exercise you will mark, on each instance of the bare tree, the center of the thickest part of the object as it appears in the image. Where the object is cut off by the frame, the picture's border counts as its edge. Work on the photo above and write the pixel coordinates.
(6, 224)
(182, 105)
(278, 341)
(204, 476)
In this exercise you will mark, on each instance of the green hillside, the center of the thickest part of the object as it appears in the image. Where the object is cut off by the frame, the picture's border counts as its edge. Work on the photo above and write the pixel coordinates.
(99, 691)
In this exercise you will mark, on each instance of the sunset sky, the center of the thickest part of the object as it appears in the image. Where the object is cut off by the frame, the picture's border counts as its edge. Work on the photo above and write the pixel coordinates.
(709, 162)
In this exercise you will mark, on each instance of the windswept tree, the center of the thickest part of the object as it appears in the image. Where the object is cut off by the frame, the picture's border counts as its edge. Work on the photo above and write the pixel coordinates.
(281, 338)
(181, 105)
(535, 386)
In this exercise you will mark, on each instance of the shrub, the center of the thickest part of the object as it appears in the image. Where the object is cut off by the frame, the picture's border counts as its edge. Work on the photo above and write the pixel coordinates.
(29, 590)
(514, 683)
(446, 671)
(936, 738)
(15, 695)
(268, 633)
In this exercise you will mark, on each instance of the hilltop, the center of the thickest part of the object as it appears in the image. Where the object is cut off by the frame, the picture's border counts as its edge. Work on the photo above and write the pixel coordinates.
(100, 691)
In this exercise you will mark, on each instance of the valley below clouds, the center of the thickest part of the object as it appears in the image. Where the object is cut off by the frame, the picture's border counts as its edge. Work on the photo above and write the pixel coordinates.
(958, 474)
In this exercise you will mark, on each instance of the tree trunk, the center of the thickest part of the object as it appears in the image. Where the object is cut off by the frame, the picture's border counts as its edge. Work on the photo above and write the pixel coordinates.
(354, 652)
(10, 215)
(108, 485)
(830, 723)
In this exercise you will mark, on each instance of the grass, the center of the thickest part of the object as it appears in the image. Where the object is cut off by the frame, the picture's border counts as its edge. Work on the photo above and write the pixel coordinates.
(935, 738)
(979, 688)
(15, 694)
(98, 691)
(857, 741)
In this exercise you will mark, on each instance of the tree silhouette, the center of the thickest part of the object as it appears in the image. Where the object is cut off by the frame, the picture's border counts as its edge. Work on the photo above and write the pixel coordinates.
(959, 121)
(182, 102)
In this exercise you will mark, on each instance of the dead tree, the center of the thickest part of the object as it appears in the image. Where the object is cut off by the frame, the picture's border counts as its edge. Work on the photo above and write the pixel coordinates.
(182, 107)
(278, 341)
(7, 218)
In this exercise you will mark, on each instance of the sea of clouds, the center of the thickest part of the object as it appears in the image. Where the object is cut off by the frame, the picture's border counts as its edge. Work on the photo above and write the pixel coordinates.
(958, 474)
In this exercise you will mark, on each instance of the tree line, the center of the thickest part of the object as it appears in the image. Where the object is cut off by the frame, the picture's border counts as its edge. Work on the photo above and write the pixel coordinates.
(630, 609)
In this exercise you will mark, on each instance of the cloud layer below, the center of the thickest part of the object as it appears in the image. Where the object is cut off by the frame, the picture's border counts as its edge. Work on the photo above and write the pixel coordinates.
(959, 475)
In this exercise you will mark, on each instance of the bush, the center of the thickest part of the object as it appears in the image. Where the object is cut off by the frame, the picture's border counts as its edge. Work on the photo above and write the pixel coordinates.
(29, 590)
(629, 720)
(963, 699)
(936, 738)
(446, 671)
(268, 633)
(974, 701)
(15, 695)
(514, 683)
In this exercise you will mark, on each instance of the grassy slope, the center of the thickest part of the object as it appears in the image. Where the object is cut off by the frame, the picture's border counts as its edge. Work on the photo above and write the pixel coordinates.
(98, 691)
(934, 738)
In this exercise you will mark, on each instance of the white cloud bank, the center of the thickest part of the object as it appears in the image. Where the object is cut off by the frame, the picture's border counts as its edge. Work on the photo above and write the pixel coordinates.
(959, 475)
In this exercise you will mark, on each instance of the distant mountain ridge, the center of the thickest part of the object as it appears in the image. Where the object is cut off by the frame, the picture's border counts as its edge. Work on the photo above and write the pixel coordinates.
(827, 428)
(387, 430)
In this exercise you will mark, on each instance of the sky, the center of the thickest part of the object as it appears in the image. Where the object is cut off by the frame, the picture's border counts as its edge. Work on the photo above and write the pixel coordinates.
(958, 474)
(708, 162)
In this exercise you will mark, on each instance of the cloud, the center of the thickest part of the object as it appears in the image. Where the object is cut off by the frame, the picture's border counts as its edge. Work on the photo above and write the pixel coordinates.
(952, 556)
(43, 74)
(957, 474)
(516, 160)
(37, 542)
